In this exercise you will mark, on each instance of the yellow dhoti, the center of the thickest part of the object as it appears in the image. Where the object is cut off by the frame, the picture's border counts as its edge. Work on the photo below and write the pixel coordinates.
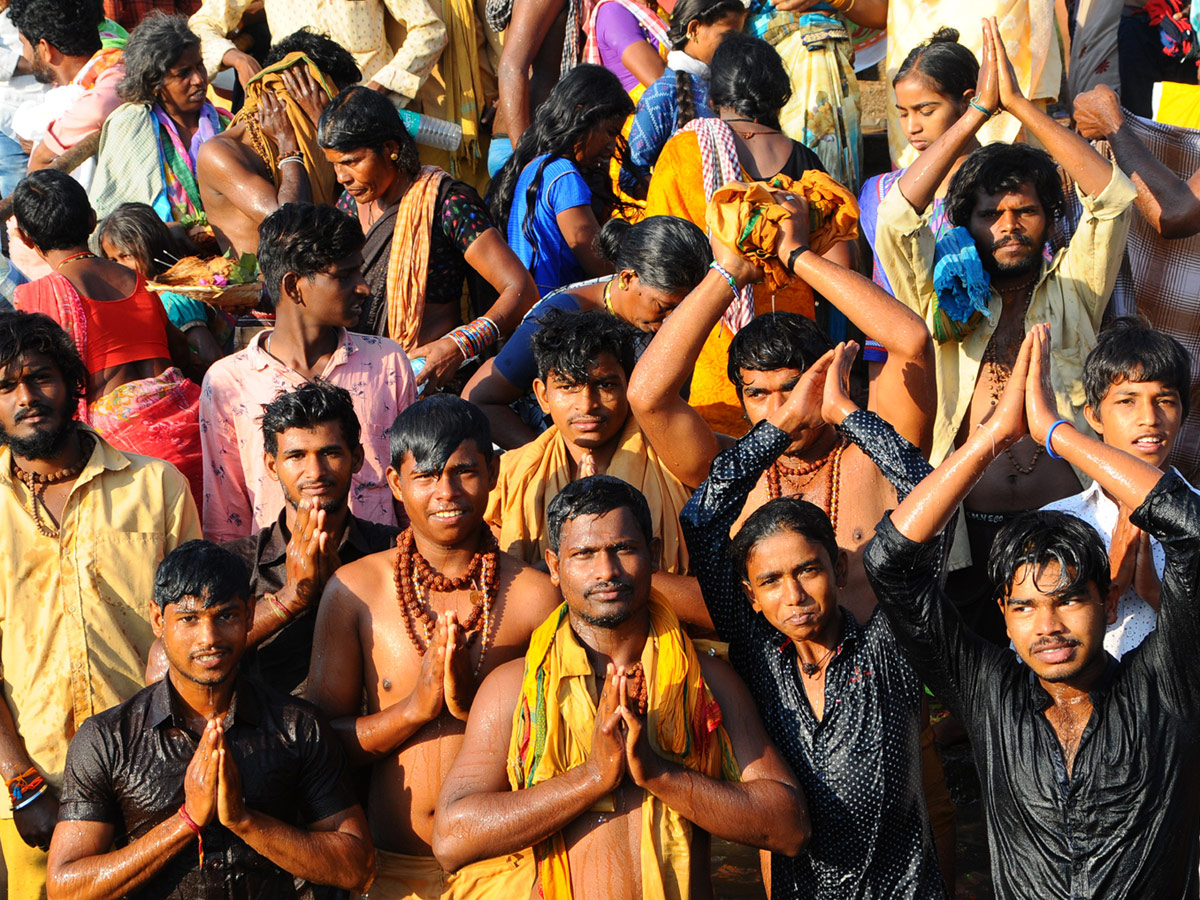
(402, 877)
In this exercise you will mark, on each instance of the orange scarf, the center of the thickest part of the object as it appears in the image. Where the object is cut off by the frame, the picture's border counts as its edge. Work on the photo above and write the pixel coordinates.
(408, 265)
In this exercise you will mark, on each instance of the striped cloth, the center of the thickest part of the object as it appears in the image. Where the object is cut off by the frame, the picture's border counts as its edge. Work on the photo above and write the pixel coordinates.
(646, 17)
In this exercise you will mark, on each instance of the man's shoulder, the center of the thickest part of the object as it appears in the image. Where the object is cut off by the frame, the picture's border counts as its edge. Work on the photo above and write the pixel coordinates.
(145, 469)
(363, 577)
(134, 709)
(228, 372)
(370, 348)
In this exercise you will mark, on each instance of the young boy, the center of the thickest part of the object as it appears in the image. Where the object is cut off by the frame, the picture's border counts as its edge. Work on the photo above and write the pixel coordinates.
(1136, 381)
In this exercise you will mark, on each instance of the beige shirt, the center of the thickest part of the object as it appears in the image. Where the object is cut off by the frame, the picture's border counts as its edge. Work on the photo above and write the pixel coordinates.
(75, 609)
(358, 25)
(1071, 295)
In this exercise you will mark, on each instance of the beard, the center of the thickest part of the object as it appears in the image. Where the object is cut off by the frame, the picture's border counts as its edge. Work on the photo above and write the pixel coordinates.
(1016, 269)
(42, 73)
(613, 619)
(43, 444)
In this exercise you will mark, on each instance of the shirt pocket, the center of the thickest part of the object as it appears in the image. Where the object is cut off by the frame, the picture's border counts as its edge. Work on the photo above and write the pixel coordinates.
(355, 24)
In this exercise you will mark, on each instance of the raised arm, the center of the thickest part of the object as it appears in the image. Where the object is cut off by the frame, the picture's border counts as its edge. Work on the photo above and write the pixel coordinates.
(531, 22)
(765, 809)
(424, 39)
(1170, 204)
(906, 384)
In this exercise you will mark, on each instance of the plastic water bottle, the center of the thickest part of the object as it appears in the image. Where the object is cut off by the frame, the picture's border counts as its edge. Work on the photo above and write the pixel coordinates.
(432, 132)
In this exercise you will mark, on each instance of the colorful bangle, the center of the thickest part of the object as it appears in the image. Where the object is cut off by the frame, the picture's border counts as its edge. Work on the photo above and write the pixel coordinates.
(20, 785)
(31, 797)
(278, 607)
(1050, 434)
(191, 823)
(724, 273)
(974, 104)
(475, 337)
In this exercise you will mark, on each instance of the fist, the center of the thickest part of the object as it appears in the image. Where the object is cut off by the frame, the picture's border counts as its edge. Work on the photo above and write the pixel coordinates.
(1098, 113)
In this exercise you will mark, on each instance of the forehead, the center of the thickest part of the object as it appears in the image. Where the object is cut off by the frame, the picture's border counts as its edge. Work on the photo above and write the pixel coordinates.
(190, 603)
(188, 58)
(784, 549)
(915, 88)
(770, 380)
(320, 435)
(350, 262)
(1128, 388)
(29, 361)
(466, 453)
(1043, 581)
(617, 526)
(606, 366)
(1021, 196)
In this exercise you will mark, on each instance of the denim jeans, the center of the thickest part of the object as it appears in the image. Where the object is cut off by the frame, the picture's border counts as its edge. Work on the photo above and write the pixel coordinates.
(13, 161)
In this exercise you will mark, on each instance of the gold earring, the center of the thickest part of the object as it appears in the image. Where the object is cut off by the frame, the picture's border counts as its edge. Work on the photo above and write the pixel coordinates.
(395, 156)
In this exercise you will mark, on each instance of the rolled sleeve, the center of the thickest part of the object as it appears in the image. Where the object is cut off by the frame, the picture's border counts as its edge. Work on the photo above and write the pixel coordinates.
(212, 23)
(425, 37)
(904, 243)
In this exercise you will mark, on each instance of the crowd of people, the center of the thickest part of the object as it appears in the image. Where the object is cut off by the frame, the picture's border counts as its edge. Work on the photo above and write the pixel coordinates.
(510, 519)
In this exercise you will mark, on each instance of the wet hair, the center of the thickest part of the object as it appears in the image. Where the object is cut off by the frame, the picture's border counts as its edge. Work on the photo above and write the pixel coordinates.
(585, 97)
(703, 12)
(305, 239)
(22, 332)
(667, 253)
(313, 403)
(134, 229)
(596, 495)
(157, 44)
(1040, 537)
(950, 67)
(202, 570)
(783, 514)
(1005, 167)
(779, 340)
(69, 26)
(1128, 349)
(747, 75)
(331, 58)
(52, 209)
(570, 343)
(433, 428)
(359, 118)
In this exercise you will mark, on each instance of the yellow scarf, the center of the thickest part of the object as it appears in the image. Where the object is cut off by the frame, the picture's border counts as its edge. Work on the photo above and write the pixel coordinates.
(552, 732)
(408, 265)
(531, 476)
(321, 177)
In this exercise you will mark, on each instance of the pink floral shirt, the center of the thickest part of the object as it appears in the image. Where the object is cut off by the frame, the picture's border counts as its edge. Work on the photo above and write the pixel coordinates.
(240, 497)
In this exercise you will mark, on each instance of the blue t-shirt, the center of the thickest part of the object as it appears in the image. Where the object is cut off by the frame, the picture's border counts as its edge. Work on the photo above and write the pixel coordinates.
(515, 360)
(561, 188)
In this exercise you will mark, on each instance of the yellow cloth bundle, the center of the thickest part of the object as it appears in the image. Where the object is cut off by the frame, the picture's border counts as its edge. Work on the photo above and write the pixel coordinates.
(552, 732)
(747, 216)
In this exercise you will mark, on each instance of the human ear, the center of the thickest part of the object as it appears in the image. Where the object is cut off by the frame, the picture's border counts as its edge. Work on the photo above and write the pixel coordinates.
(840, 568)
(357, 457)
(539, 391)
(289, 287)
(394, 482)
(1110, 604)
(552, 565)
(156, 620)
(1093, 420)
(750, 596)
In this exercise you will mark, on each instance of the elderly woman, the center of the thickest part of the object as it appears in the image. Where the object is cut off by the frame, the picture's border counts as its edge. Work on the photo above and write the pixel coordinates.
(149, 145)
(426, 234)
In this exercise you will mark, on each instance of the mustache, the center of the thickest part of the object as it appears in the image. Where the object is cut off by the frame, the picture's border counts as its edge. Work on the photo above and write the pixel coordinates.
(1020, 239)
(208, 651)
(603, 587)
(1054, 644)
(35, 409)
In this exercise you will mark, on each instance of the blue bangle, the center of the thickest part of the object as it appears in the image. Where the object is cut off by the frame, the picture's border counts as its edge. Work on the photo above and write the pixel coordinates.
(983, 109)
(725, 274)
(1050, 434)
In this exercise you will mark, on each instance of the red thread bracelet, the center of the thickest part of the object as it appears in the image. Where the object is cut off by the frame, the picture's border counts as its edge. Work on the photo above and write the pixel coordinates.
(191, 823)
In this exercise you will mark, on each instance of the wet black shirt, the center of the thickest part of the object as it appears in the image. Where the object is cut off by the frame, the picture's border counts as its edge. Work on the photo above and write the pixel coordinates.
(282, 659)
(1125, 823)
(125, 767)
(860, 765)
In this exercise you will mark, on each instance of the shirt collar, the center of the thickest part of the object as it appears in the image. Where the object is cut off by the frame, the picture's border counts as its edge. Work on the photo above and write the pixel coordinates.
(105, 457)
(246, 706)
(261, 360)
(273, 540)
(1041, 697)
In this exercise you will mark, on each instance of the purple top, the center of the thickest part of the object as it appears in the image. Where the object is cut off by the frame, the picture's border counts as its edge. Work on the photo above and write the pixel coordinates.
(616, 29)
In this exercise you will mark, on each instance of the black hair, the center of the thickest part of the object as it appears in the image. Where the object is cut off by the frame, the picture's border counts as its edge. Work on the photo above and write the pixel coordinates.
(944, 62)
(53, 210)
(778, 340)
(704, 12)
(331, 58)
(747, 75)
(433, 428)
(569, 343)
(136, 230)
(202, 570)
(667, 253)
(1040, 537)
(22, 332)
(305, 239)
(360, 118)
(783, 514)
(69, 26)
(1129, 349)
(596, 495)
(313, 403)
(1005, 167)
(153, 48)
(585, 97)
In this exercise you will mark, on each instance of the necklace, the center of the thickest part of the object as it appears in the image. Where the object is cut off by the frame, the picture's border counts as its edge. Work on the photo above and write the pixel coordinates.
(415, 578)
(775, 481)
(998, 376)
(37, 484)
(82, 254)
(747, 135)
(1023, 286)
(811, 669)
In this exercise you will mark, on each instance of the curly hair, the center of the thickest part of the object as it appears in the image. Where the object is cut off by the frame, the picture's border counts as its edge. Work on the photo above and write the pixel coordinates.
(154, 47)
(1005, 167)
(69, 26)
(331, 58)
(747, 75)
(303, 239)
(778, 340)
(22, 332)
(313, 403)
(569, 343)
(359, 118)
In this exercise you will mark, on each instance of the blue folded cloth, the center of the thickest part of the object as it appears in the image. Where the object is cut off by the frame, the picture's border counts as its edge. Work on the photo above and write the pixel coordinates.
(962, 286)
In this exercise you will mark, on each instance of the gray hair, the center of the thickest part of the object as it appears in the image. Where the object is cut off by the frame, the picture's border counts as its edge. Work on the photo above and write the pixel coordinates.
(154, 46)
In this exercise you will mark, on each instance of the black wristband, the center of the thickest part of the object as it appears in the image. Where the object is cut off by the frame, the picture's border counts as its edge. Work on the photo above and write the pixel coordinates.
(791, 262)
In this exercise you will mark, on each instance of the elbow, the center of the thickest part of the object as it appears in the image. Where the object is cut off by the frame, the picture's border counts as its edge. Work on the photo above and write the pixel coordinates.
(795, 831)
(1176, 225)
(645, 394)
(362, 873)
(451, 845)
